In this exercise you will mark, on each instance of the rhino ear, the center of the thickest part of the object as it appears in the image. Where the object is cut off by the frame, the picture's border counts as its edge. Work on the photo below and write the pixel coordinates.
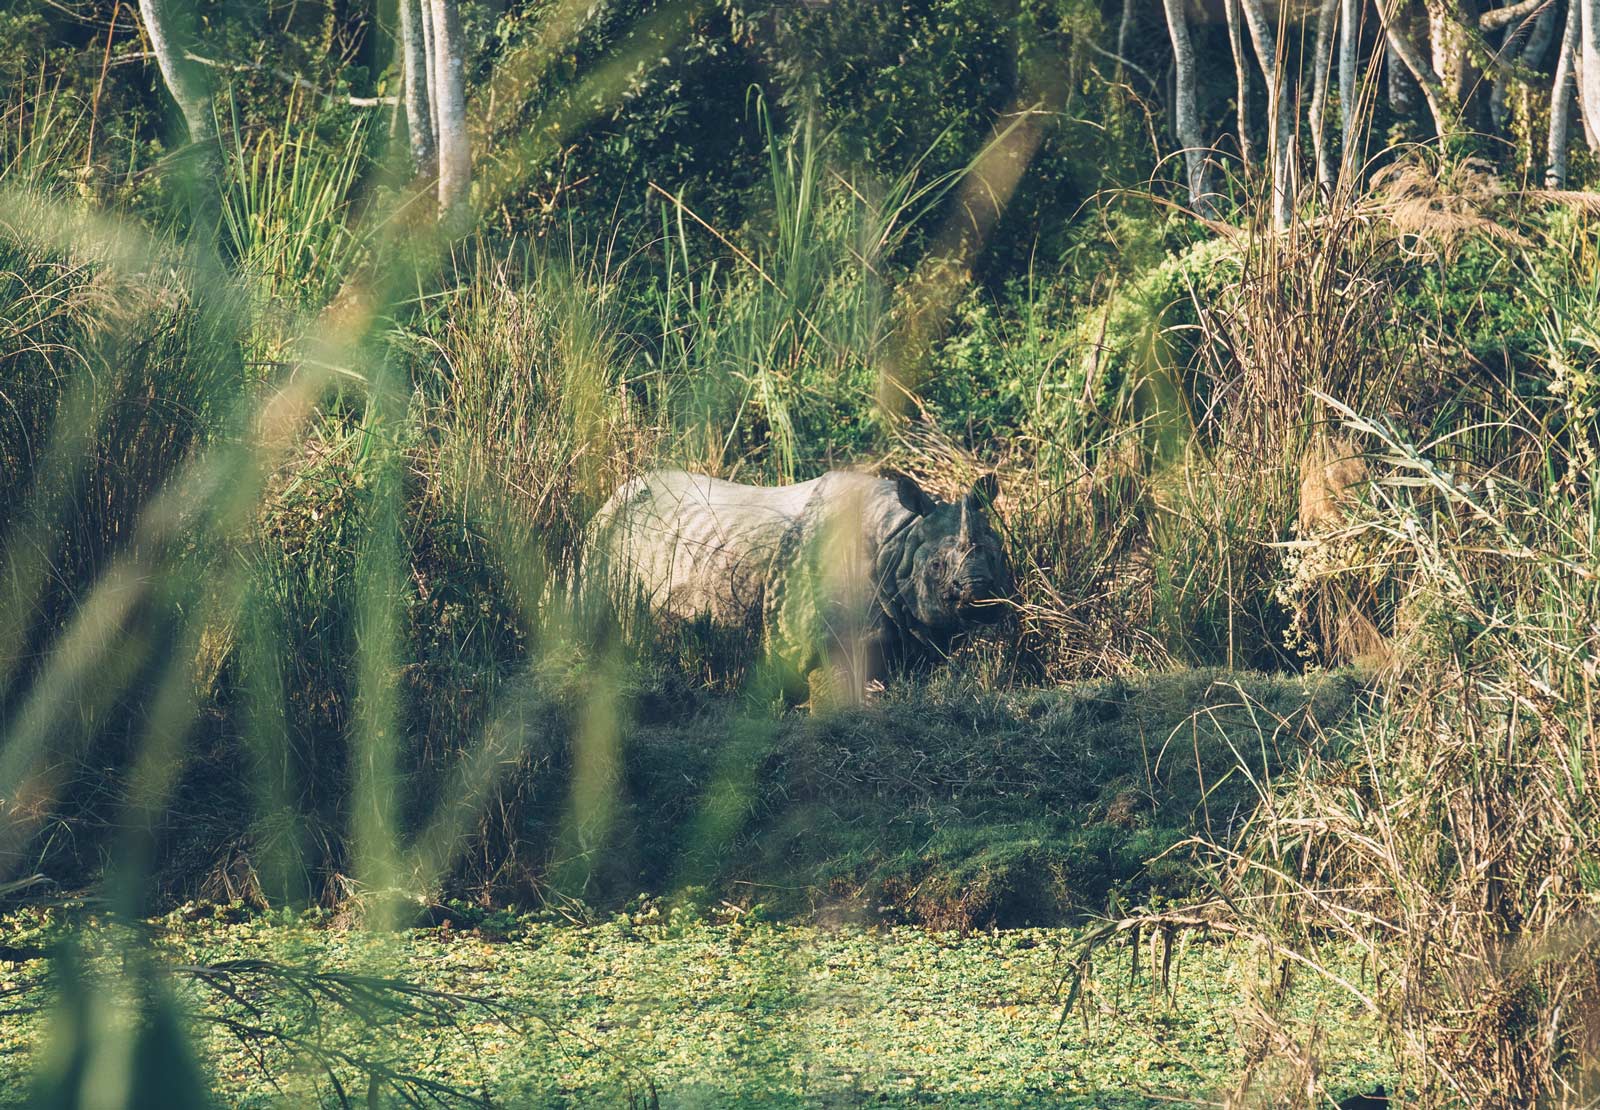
(985, 490)
(910, 494)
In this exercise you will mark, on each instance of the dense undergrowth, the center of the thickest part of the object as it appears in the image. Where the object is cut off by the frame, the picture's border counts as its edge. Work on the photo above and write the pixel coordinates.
(289, 516)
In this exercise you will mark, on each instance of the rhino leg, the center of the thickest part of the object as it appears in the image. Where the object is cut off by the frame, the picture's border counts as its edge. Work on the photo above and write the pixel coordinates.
(831, 688)
(849, 673)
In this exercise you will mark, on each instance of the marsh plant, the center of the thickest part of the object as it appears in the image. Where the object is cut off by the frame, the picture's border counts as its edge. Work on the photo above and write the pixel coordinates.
(299, 435)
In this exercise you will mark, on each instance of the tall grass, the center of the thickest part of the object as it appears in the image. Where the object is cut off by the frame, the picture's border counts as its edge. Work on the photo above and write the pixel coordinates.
(288, 550)
(1454, 839)
(774, 357)
(287, 219)
(43, 136)
(1450, 834)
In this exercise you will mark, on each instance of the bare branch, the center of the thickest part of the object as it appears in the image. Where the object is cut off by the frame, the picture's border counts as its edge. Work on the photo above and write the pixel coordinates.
(293, 78)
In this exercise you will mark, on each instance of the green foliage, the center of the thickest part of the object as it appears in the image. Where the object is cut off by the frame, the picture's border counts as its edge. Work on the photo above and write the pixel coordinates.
(775, 360)
(1568, 348)
(870, 67)
(1137, 353)
(339, 481)
(287, 219)
(1475, 299)
(678, 1006)
(606, 110)
(1003, 356)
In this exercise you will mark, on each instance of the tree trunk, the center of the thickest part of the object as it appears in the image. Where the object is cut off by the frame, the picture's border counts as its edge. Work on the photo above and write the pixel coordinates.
(430, 70)
(1280, 120)
(1544, 29)
(1124, 28)
(1555, 176)
(1524, 43)
(1349, 41)
(171, 40)
(450, 104)
(418, 109)
(1508, 52)
(1241, 75)
(1399, 86)
(1465, 79)
(171, 30)
(1321, 62)
(1402, 48)
(1448, 41)
(1538, 45)
(1589, 67)
(1185, 113)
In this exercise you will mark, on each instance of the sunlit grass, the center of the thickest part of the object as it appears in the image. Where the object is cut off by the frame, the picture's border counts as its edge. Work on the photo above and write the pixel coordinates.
(292, 618)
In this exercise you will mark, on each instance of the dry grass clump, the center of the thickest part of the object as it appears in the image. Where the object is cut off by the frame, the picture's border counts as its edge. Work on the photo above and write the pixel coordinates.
(1442, 204)
(1456, 840)
(526, 418)
(1452, 837)
(1331, 586)
(1327, 315)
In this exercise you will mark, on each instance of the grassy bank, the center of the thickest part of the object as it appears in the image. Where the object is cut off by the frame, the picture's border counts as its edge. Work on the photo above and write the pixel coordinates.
(939, 804)
(943, 805)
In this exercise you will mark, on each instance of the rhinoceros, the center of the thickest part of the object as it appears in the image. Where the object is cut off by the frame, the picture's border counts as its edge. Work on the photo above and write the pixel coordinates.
(843, 577)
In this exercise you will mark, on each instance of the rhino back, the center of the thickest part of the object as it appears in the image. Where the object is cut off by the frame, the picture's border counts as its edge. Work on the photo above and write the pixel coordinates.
(693, 545)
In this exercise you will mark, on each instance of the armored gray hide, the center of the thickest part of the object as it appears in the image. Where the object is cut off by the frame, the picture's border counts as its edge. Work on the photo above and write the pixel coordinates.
(843, 576)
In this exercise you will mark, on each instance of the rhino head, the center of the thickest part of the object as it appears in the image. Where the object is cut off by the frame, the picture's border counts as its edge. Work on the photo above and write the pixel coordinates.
(958, 576)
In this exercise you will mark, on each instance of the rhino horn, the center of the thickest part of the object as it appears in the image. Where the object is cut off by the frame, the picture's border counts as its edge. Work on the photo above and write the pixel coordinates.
(966, 520)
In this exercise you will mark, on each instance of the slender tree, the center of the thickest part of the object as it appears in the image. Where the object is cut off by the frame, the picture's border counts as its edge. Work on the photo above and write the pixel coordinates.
(418, 105)
(1510, 49)
(1561, 100)
(1321, 63)
(1124, 28)
(1450, 25)
(430, 71)
(450, 106)
(1398, 85)
(1349, 42)
(1280, 119)
(1527, 37)
(1402, 49)
(1241, 77)
(1589, 67)
(170, 25)
(1185, 113)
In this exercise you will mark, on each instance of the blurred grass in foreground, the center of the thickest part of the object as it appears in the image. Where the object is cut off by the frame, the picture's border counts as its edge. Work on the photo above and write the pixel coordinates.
(288, 510)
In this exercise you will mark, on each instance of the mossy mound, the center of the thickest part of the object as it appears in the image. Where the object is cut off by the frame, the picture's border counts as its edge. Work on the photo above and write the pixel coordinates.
(947, 806)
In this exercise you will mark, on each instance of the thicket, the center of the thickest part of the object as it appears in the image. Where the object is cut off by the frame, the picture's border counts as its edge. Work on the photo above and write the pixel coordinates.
(349, 516)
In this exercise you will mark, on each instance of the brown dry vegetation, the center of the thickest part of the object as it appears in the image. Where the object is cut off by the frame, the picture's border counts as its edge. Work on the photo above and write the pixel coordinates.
(287, 593)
